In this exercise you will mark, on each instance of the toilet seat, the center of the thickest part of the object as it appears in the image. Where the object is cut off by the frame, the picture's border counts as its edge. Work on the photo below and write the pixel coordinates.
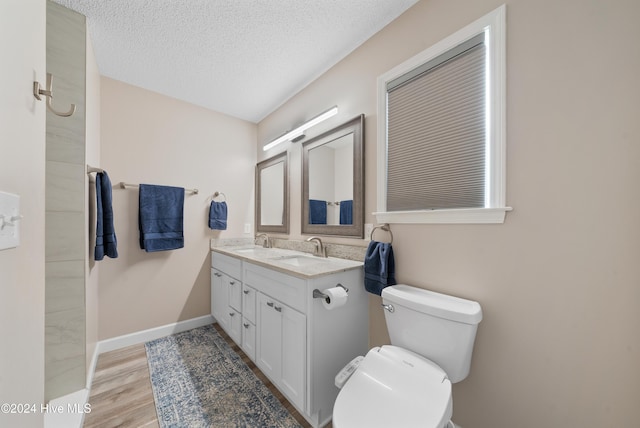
(394, 387)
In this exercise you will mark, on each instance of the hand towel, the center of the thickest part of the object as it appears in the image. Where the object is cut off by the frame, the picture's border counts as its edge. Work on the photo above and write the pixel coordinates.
(317, 211)
(218, 215)
(106, 242)
(379, 267)
(161, 218)
(346, 212)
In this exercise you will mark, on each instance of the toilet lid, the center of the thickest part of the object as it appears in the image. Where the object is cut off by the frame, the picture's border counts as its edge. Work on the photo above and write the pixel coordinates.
(394, 387)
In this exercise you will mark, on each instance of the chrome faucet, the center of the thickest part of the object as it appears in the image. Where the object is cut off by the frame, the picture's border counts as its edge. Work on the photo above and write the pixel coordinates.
(266, 242)
(320, 250)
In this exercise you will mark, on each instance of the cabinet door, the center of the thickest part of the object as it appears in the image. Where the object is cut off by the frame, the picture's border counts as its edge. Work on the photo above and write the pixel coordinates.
(235, 325)
(235, 294)
(280, 349)
(220, 298)
(269, 338)
(249, 303)
(249, 339)
(294, 340)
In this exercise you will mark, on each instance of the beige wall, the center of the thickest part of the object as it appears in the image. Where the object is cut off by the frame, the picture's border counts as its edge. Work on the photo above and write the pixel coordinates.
(22, 144)
(559, 281)
(150, 138)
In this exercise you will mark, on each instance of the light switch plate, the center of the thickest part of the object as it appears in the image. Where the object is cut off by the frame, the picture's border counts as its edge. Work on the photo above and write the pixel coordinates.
(9, 220)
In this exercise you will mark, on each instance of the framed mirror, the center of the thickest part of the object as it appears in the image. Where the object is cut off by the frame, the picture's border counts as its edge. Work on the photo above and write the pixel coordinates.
(333, 181)
(272, 195)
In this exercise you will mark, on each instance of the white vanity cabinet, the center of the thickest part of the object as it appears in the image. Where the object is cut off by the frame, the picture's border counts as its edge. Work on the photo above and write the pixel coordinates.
(293, 339)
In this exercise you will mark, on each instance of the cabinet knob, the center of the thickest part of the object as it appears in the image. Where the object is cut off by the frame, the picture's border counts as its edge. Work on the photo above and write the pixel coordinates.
(245, 291)
(278, 308)
(231, 282)
(246, 325)
(270, 304)
(231, 314)
(217, 274)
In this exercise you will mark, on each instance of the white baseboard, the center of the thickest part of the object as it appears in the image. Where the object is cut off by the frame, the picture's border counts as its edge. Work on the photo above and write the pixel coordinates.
(92, 367)
(151, 334)
(67, 411)
(142, 337)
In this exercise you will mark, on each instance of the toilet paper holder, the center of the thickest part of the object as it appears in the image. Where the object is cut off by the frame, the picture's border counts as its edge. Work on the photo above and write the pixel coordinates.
(317, 294)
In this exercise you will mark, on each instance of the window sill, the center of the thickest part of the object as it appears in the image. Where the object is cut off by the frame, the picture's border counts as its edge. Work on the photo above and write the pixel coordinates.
(450, 216)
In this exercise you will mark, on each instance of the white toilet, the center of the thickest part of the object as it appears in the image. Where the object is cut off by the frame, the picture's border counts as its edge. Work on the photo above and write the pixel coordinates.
(408, 384)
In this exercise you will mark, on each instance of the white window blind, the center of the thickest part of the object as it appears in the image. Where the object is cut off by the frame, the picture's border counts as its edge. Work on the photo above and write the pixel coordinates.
(437, 132)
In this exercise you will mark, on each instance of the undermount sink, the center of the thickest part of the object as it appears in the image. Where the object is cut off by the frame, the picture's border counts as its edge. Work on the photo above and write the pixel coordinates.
(301, 260)
(297, 263)
(280, 256)
(254, 251)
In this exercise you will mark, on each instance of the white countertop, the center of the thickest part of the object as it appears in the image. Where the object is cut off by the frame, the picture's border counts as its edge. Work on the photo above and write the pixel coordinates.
(297, 263)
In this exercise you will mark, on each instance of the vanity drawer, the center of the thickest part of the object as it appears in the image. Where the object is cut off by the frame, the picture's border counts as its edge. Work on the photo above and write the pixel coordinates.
(285, 288)
(229, 265)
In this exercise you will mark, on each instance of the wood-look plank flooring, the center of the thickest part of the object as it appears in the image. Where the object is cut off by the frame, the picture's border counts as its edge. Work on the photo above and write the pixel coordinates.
(121, 394)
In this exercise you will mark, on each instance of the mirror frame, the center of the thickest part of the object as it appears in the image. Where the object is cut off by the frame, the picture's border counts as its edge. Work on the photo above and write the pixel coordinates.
(284, 228)
(356, 127)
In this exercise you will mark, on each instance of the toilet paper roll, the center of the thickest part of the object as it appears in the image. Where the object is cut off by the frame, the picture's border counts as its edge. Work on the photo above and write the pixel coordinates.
(336, 297)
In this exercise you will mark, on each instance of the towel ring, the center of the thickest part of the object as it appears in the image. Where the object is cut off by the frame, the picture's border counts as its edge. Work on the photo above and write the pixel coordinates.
(215, 195)
(384, 227)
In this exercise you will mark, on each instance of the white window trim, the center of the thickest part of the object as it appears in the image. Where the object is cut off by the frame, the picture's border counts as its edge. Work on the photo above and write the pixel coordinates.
(495, 210)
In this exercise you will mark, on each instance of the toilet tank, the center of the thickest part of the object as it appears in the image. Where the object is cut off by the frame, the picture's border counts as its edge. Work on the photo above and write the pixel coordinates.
(439, 327)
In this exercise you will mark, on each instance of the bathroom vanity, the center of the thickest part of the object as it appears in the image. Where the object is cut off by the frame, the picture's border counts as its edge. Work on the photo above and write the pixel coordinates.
(263, 299)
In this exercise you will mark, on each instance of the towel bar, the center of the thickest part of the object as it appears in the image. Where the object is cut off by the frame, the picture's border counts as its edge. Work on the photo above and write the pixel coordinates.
(124, 185)
(91, 169)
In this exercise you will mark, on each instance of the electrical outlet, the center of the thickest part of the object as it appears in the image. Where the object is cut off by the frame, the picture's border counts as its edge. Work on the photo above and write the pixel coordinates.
(368, 228)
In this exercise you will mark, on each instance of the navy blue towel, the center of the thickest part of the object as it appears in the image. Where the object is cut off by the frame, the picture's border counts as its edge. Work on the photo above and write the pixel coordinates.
(106, 242)
(346, 212)
(379, 267)
(161, 217)
(218, 215)
(317, 211)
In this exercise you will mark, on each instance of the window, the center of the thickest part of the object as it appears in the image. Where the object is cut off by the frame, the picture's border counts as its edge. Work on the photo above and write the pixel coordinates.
(441, 147)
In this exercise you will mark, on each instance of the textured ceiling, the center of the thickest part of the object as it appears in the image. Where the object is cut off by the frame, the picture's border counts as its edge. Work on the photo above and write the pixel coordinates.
(243, 58)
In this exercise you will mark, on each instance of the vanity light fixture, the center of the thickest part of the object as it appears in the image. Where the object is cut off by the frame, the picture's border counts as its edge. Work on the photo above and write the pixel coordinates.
(299, 131)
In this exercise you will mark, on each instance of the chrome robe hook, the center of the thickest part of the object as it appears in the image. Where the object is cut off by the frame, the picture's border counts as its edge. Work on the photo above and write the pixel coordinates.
(48, 93)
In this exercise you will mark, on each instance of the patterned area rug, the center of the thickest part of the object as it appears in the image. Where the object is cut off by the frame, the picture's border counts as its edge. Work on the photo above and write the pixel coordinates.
(199, 381)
